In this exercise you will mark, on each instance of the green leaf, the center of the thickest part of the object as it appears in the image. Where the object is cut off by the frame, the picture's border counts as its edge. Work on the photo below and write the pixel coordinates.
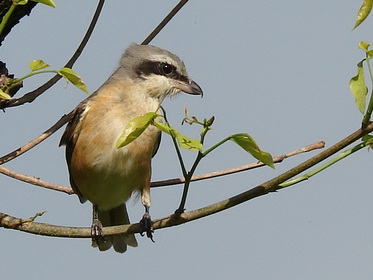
(4, 95)
(183, 141)
(135, 128)
(246, 142)
(364, 46)
(49, 3)
(72, 77)
(358, 88)
(38, 65)
(363, 13)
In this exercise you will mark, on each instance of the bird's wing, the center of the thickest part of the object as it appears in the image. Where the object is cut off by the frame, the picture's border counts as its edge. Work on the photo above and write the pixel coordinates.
(69, 138)
(72, 128)
(158, 144)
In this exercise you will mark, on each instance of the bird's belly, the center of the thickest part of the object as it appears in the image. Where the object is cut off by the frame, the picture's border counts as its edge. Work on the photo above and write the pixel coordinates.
(109, 187)
(108, 177)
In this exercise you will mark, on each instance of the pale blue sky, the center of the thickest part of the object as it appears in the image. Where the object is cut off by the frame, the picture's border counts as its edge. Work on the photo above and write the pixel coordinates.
(278, 70)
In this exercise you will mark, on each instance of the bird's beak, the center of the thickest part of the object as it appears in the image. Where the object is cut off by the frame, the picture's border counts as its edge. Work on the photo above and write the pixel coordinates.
(190, 87)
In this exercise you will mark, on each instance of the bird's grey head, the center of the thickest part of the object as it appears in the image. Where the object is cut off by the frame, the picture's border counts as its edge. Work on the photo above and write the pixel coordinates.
(160, 71)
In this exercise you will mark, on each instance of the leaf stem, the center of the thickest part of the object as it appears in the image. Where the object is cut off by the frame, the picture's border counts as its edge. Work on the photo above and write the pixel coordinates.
(32, 74)
(187, 182)
(188, 178)
(205, 153)
(178, 152)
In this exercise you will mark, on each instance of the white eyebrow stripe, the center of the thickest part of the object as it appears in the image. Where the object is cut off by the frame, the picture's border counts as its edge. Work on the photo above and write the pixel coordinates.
(162, 58)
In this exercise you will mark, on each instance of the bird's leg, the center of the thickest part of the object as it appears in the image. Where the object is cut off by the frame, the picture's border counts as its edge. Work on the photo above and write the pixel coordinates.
(146, 223)
(96, 228)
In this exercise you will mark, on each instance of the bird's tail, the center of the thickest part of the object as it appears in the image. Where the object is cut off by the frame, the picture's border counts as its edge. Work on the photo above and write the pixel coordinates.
(114, 217)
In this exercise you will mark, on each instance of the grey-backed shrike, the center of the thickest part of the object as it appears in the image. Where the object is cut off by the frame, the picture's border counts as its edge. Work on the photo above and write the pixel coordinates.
(103, 174)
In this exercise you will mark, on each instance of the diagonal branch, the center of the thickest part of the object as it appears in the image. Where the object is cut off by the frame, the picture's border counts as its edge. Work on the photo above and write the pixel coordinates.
(32, 95)
(164, 22)
(173, 220)
(21, 150)
(34, 180)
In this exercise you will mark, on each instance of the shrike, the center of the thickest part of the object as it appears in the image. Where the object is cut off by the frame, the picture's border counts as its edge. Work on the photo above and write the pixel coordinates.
(103, 174)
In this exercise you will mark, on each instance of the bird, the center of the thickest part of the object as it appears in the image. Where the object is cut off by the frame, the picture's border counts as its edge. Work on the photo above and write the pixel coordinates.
(103, 174)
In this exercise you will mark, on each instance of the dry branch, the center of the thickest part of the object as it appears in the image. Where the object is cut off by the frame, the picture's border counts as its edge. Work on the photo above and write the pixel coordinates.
(38, 182)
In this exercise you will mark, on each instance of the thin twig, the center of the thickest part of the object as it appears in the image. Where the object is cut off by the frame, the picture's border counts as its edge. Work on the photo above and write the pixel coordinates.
(34, 181)
(32, 95)
(164, 22)
(44, 184)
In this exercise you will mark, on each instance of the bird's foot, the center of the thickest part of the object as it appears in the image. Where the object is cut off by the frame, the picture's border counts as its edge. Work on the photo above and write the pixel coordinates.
(147, 225)
(96, 232)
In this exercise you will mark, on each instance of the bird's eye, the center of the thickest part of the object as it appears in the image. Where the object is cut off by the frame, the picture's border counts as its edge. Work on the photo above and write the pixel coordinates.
(167, 69)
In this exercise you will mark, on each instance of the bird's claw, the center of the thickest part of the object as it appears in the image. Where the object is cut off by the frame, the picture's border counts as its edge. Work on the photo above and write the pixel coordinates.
(96, 232)
(147, 226)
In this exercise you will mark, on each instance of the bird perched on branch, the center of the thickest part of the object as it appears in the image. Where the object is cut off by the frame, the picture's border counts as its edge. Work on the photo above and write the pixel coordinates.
(103, 174)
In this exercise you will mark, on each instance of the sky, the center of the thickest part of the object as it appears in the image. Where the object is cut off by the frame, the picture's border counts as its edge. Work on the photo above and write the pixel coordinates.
(278, 70)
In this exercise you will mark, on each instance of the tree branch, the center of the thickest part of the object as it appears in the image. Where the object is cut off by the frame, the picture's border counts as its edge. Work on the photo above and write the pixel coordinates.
(164, 22)
(173, 220)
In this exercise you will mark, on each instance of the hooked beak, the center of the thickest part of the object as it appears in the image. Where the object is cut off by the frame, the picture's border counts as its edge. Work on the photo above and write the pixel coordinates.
(190, 87)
